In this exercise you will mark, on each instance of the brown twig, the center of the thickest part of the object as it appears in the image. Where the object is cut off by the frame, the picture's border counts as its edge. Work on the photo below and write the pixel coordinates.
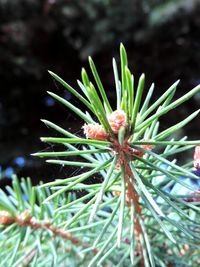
(25, 219)
(125, 151)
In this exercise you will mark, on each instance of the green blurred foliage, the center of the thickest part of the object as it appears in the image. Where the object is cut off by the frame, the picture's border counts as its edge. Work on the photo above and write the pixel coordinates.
(30, 30)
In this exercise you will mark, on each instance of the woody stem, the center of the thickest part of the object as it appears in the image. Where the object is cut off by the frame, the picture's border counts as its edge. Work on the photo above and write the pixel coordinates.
(124, 151)
(133, 196)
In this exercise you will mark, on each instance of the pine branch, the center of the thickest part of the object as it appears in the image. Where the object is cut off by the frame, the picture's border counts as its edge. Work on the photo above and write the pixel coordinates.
(142, 208)
(25, 219)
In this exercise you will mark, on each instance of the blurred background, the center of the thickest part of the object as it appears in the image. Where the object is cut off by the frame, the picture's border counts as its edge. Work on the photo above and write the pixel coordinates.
(162, 39)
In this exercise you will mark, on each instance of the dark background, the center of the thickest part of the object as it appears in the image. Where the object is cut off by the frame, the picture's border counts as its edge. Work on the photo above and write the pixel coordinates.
(162, 39)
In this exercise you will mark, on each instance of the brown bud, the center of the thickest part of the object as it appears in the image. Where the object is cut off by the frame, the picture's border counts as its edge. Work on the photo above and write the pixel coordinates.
(95, 131)
(6, 218)
(117, 119)
(197, 157)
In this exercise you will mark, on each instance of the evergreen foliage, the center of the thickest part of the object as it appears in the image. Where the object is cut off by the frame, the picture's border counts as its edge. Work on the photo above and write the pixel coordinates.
(132, 215)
